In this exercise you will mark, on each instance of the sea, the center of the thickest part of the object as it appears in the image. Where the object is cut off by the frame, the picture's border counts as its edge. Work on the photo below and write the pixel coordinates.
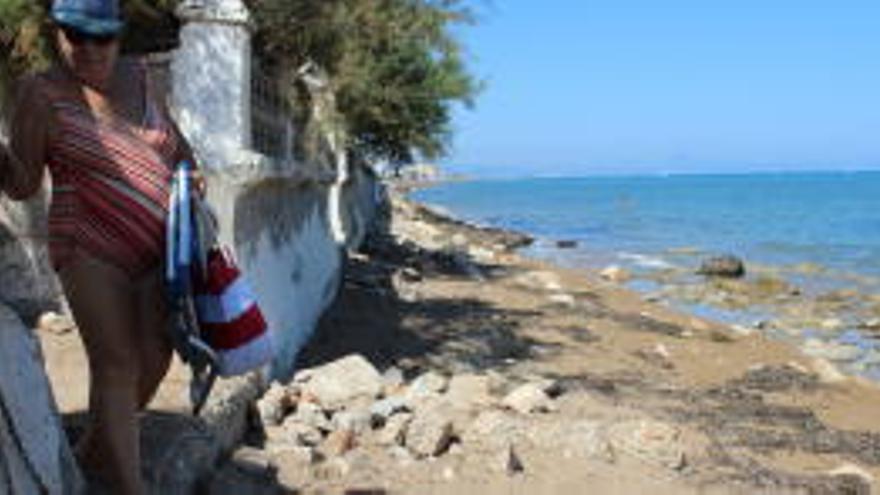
(818, 230)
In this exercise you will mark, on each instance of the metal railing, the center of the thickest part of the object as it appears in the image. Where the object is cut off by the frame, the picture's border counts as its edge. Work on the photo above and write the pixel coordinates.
(271, 125)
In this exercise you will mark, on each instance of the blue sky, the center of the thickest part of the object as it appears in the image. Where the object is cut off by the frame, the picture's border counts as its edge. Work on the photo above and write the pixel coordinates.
(635, 86)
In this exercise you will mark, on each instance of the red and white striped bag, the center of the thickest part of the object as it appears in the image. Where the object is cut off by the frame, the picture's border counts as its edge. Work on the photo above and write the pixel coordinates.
(229, 318)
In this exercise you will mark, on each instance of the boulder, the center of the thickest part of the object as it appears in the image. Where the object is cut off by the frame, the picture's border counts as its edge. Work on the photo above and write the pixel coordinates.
(340, 382)
(722, 266)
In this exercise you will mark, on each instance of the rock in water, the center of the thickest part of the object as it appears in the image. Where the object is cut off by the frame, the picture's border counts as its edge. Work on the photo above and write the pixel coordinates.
(723, 266)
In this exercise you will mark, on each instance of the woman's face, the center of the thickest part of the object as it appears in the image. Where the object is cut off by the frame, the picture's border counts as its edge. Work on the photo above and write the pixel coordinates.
(91, 59)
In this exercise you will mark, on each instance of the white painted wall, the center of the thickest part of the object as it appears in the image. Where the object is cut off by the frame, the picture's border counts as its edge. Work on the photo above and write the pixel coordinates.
(288, 223)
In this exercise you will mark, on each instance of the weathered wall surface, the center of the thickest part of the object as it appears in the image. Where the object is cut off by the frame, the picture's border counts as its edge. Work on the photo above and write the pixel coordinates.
(289, 222)
(283, 241)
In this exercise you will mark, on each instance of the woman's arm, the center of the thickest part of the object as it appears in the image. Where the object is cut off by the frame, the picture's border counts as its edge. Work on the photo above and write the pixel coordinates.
(22, 161)
(184, 150)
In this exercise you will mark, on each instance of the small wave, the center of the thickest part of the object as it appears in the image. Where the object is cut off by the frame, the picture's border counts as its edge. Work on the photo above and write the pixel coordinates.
(645, 261)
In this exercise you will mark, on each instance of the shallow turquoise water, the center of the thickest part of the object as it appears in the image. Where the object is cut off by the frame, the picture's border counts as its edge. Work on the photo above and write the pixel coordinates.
(829, 219)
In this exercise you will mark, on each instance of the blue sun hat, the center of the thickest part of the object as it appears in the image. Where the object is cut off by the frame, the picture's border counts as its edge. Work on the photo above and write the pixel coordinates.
(97, 17)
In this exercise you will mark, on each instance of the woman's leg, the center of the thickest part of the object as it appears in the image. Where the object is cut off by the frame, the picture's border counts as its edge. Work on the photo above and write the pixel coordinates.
(104, 305)
(154, 342)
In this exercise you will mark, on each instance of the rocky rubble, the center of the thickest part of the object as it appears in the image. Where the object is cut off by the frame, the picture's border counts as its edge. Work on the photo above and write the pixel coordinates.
(339, 417)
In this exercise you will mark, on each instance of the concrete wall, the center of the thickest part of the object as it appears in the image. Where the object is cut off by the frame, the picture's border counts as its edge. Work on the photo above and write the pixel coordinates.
(289, 222)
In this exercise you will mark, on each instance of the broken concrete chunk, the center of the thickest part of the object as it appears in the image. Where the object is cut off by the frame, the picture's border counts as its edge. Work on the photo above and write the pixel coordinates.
(429, 433)
(394, 431)
(341, 381)
(274, 404)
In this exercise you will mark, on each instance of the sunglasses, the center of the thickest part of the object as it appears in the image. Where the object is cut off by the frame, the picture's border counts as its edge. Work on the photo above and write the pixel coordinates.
(77, 37)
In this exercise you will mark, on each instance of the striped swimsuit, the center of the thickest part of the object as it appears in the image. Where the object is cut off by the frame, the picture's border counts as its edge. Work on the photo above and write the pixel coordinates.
(110, 184)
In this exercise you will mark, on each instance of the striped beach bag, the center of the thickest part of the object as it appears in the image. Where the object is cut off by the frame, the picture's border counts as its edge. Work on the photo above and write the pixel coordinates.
(229, 317)
(219, 329)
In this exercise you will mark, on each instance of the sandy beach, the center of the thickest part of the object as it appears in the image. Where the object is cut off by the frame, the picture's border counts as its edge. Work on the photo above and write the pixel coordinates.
(626, 396)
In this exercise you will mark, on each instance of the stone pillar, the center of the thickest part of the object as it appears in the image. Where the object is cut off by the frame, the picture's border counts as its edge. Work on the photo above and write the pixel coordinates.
(211, 75)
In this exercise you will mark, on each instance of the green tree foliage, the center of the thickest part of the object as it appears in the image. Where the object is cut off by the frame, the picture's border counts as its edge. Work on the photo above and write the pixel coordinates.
(393, 66)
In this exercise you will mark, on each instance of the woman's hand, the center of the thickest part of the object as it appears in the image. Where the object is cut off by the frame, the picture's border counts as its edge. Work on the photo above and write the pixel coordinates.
(198, 182)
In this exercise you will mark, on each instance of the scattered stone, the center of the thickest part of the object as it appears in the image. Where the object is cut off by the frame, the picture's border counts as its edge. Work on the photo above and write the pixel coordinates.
(55, 323)
(658, 356)
(385, 408)
(297, 455)
(742, 330)
(394, 432)
(652, 441)
(614, 273)
(429, 433)
(273, 405)
(311, 414)
(426, 385)
(562, 299)
(338, 443)
(831, 324)
(529, 398)
(392, 381)
(552, 387)
(539, 280)
(469, 391)
(872, 324)
(852, 470)
(511, 462)
(778, 378)
(253, 461)
(827, 372)
(584, 439)
(297, 433)
(833, 351)
(722, 266)
(341, 381)
(566, 243)
(448, 473)
(356, 420)
(410, 274)
(401, 455)
(335, 468)
(699, 324)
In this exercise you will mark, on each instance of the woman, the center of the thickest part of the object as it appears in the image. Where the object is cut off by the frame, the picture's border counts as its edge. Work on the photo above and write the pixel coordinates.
(110, 148)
